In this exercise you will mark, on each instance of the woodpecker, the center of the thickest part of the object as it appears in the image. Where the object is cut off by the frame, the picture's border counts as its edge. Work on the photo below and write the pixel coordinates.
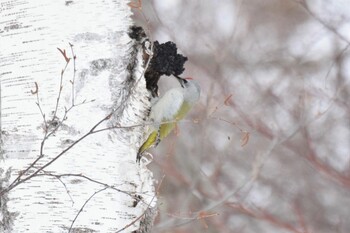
(168, 110)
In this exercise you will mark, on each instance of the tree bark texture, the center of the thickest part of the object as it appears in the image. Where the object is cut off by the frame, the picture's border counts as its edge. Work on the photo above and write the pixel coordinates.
(73, 99)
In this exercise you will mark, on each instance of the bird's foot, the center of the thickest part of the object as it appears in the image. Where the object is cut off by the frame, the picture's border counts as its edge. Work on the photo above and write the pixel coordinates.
(146, 157)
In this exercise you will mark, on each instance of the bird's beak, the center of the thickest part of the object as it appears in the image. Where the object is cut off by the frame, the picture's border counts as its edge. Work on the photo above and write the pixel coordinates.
(181, 80)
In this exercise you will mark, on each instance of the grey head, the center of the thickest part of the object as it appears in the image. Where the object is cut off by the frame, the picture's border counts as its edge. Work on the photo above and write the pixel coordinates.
(191, 89)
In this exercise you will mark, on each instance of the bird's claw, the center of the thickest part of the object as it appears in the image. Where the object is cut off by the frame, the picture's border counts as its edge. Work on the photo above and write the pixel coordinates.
(146, 157)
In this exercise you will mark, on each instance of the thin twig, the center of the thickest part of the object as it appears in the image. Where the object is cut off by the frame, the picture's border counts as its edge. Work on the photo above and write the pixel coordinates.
(36, 92)
(304, 4)
(81, 209)
(59, 179)
(74, 72)
(91, 131)
(58, 176)
(60, 90)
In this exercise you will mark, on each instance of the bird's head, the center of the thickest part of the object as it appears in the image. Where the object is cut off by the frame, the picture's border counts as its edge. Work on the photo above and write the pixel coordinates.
(192, 88)
(183, 81)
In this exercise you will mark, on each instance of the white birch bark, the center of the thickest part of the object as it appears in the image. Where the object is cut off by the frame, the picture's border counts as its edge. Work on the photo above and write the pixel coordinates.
(82, 184)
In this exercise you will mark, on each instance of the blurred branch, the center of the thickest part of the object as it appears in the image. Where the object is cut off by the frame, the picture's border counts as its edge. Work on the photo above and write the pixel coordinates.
(266, 216)
(303, 3)
(323, 167)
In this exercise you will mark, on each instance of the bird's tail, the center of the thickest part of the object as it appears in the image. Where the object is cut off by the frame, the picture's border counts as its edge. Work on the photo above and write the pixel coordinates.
(147, 144)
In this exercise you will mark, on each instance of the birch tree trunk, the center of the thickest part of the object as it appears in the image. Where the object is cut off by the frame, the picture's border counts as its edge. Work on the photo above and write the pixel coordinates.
(73, 98)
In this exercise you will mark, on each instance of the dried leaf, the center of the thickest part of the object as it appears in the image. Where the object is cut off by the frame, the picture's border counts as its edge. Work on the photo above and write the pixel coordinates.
(203, 215)
(226, 102)
(137, 4)
(63, 52)
(36, 89)
(244, 138)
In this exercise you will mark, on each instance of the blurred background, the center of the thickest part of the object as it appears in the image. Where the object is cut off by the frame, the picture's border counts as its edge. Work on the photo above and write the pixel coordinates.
(267, 148)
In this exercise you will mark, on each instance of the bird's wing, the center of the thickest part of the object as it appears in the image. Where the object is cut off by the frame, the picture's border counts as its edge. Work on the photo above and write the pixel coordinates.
(167, 107)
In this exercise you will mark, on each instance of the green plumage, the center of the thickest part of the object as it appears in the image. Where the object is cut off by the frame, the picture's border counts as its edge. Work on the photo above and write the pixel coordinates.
(164, 129)
(168, 110)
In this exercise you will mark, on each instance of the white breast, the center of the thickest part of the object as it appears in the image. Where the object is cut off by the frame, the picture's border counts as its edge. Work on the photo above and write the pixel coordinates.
(168, 105)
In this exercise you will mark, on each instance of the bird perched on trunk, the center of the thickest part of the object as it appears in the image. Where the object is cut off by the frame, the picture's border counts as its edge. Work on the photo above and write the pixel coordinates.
(168, 110)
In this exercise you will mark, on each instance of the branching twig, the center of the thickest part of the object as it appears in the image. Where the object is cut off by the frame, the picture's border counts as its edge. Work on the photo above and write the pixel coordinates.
(265, 216)
(93, 130)
(304, 4)
(36, 92)
(58, 176)
(59, 179)
(144, 212)
(81, 209)
(61, 81)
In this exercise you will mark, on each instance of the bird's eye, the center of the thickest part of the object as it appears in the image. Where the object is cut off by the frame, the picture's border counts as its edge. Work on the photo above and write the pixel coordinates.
(184, 82)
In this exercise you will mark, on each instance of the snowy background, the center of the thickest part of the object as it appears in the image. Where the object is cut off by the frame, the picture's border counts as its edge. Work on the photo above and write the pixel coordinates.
(267, 149)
